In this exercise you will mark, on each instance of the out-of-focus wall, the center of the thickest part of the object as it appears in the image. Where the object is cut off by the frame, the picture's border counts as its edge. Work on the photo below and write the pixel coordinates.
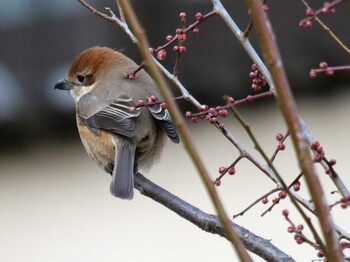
(39, 39)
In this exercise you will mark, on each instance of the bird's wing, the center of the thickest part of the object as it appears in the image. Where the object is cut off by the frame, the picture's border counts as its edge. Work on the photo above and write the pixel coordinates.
(117, 117)
(164, 119)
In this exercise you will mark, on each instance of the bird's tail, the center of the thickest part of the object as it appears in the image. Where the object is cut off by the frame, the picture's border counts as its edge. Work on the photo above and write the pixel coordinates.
(122, 185)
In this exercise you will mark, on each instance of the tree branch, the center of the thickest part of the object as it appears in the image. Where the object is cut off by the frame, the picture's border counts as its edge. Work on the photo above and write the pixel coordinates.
(207, 222)
(286, 102)
(182, 128)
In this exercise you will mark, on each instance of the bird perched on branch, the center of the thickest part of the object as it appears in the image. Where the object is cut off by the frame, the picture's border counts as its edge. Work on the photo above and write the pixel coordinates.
(120, 123)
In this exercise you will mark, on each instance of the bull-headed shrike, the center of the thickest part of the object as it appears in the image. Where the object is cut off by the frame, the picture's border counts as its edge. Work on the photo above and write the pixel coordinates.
(117, 133)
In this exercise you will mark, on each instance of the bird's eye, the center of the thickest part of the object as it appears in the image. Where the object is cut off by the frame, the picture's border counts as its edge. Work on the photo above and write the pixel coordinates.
(81, 79)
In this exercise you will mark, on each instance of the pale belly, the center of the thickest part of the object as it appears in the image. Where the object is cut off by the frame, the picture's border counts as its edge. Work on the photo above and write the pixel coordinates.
(99, 147)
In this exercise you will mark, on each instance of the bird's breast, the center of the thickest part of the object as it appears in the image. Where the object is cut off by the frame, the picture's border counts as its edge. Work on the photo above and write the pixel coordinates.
(99, 146)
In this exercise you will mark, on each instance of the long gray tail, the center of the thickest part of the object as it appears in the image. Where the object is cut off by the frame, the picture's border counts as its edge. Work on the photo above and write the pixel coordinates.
(122, 185)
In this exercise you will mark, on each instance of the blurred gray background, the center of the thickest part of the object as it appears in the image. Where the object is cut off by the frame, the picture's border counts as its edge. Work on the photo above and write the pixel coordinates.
(55, 203)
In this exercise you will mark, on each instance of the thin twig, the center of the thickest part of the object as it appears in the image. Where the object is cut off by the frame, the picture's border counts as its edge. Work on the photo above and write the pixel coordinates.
(219, 8)
(277, 148)
(182, 128)
(255, 202)
(279, 177)
(323, 25)
(288, 108)
(289, 187)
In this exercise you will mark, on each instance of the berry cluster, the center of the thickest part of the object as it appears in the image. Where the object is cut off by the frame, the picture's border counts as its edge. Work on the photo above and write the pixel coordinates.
(281, 195)
(326, 9)
(323, 67)
(316, 146)
(180, 36)
(258, 80)
(210, 114)
(279, 138)
(153, 100)
(297, 230)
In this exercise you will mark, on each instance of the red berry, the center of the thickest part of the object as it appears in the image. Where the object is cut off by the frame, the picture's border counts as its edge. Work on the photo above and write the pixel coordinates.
(163, 105)
(296, 187)
(305, 24)
(320, 253)
(198, 16)
(230, 100)
(131, 76)
(161, 55)
(299, 240)
(310, 12)
(275, 200)
(181, 38)
(188, 114)
(329, 72)
(343, 205)
(312, 73)
(204, 107)
(282, 194)
(279, 137)
(182, 15)
(315, 145)
(179, 31)
(169, 38)
(176, 48)
(231, 170)
(300, 227)
(195, 30)
(252, 75)
(223, 112)
(345, 199)
(285, 212)
(217, 182)
(182, 49)
(332, 162)
(265, 200)
(256, 87)
(132, 109)
(140, 103)
(221, 126)
(323, 65)
(290, 229)
(254, 67)
(222, 170)
(153, 99)
(151, 50)
(213, 120)
(281, 146)
(319, 150)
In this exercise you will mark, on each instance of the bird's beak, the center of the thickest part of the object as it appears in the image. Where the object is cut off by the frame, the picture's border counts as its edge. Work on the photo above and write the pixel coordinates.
(63, 84)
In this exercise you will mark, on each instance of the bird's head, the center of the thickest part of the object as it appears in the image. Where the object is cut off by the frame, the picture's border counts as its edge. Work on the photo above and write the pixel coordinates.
(90, 68)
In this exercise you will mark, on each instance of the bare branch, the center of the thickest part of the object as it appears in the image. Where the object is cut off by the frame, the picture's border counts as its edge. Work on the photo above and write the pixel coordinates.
(182, 128)
(207, 222)
(288, 108)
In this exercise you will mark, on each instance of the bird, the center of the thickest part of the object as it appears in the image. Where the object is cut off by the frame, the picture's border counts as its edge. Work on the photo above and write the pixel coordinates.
(121, 122)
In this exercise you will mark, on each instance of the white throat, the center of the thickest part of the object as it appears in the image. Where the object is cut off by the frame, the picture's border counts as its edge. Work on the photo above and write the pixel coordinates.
(78, 91)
